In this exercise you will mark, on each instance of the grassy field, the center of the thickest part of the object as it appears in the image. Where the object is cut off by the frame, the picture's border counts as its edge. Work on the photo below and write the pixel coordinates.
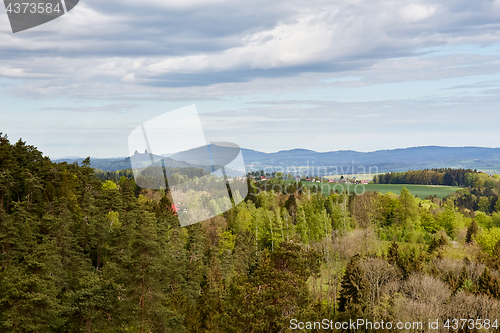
(421, 191)
(359, 176)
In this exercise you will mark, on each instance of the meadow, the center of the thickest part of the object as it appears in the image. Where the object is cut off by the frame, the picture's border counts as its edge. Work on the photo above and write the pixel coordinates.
(359, 176)
(421, 191)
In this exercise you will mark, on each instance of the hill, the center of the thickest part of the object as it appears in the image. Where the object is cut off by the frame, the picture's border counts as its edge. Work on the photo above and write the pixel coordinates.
(413, 158)
(403, 159)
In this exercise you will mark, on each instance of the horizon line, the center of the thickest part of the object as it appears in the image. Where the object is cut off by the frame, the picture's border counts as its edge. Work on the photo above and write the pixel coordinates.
(292, 149)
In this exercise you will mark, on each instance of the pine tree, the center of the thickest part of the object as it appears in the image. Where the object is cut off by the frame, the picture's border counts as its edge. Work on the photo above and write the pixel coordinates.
(393, 253)
(488, 285)
(355, 293)
(463, 283)
(436, 243)
(210, 304)
(138, 269)
(291, 207)
(195, 275)
(30, 290)
(471, 231)
(266, 300)
(495, 258)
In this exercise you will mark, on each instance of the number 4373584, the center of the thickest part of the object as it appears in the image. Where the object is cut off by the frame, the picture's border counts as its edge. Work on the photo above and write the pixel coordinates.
(33, 8)
(471, 324)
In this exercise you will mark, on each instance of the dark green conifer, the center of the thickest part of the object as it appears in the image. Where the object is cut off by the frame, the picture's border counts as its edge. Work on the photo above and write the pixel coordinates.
(393, 253)
(488, 284)
(471, 231)
(291, 207)
(355, 293)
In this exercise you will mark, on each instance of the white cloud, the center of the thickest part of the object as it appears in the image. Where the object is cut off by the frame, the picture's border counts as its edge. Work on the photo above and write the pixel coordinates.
(10, 72)
(417, 12)
(295, 44)
(278, 68)
(173, 3)
(124, 40)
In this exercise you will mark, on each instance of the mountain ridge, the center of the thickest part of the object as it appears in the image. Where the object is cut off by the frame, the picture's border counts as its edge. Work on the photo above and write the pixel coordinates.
(399, 159)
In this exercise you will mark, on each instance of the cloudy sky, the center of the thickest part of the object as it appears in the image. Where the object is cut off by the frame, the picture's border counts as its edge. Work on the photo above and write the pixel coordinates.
(323, 75)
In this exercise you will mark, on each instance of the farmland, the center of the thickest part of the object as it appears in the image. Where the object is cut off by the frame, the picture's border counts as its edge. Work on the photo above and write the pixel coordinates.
(359, 176)
(422, 191)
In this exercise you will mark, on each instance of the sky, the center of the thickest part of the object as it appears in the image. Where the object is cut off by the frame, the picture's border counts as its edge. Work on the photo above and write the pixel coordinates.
(358, 75)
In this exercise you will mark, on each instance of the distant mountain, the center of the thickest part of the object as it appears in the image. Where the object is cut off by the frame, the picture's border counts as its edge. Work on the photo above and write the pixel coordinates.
(385, 160)
(216, 154)
(121, 163)
(381, 160)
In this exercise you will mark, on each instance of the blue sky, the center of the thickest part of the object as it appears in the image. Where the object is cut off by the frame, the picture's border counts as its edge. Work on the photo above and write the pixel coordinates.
(321, 75)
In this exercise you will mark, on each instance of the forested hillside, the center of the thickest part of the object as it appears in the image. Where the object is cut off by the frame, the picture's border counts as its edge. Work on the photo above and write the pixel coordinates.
(450, 177)
(83, 254)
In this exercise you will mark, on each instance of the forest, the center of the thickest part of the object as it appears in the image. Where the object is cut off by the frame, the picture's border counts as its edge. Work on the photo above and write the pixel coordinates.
(444, 176)
(86, 251)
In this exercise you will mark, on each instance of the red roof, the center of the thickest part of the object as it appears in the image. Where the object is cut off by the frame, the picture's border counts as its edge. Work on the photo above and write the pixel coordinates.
(175, 208)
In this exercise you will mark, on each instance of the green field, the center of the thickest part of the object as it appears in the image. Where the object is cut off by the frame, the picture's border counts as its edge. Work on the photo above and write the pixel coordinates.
(422, 191)
(359, 176)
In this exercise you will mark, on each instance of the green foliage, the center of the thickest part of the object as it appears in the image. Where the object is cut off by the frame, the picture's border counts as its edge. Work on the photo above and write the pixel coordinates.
(393, 253)
(95, 253)
(355, 292)
(291, 206)
(387, 206)
(274, 293)
(338, 208)
(29, 291)
(484, 220)
(451, 177)
(437, 243)
(113, 220)
(243, 221)
(109, 185)
(421, 191)
(488, 285)
(471, 231)
(464, 282)
(484, 204)
(428, 221)
(495, 256)
(407, 262)
(448, 219)
(226, 241)
(488, 239)
(497, 205)
(406, 210)
(495, 219)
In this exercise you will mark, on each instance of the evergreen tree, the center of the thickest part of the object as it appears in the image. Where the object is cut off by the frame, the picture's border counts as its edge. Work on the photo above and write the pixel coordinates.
(393, 253)
(291, 207)
(436, 243)
(210, 304)
(495, 258)
(275, 292)
(195, 276)
(464, 282)
(29, 291)
(471, 231)
(488, 285)
(355, 293)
